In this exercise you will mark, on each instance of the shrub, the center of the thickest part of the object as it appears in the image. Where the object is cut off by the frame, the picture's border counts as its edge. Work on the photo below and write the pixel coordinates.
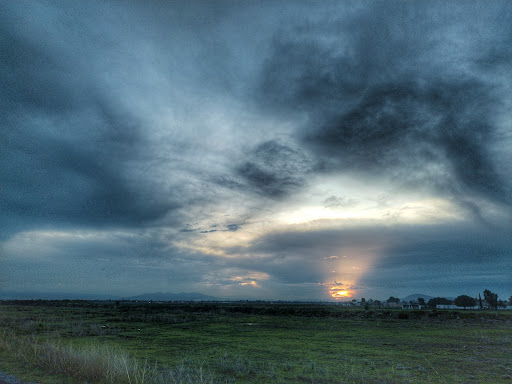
(403, 315)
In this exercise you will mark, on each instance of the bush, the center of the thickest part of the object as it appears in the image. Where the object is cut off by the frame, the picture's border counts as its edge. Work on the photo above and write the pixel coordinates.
(465, 301)
(403, 315)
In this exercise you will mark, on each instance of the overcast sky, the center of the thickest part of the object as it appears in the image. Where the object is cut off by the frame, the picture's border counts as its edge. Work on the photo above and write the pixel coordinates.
(256, 149)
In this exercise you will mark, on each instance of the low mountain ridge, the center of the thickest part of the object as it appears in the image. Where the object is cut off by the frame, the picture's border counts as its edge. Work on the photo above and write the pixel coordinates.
(183, 296)
(416, 296)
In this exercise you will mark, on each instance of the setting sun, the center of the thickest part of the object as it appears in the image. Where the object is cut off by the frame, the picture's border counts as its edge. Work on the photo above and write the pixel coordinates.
(339, 294)
(340, 290)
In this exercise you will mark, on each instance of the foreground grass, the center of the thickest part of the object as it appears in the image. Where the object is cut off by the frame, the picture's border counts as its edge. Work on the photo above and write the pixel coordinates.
(154, 343)
(93, 363)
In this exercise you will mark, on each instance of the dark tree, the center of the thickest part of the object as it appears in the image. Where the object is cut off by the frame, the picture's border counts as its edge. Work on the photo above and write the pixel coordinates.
(421, 301)
(480, 301)
(502, 303)
(510, 300)
(465, 301)
(491, 298)
(393, 300)
(438, 300)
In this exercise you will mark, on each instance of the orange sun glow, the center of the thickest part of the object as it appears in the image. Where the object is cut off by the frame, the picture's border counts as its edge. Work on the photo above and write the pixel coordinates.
(340, 290)
(340, 294)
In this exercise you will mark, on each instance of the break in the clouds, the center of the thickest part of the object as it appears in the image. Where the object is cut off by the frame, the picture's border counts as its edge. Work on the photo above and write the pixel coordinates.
(256, 150)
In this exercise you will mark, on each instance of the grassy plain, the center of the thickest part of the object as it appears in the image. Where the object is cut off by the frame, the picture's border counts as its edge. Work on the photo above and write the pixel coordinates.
(256, 343)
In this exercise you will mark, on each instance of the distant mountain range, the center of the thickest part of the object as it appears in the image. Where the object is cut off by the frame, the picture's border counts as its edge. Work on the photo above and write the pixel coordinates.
(156, 296)
(416, 296)
(53, 296)
(183, 296)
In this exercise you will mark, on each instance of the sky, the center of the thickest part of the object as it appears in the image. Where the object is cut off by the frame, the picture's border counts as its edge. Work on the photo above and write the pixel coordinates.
(286, 150)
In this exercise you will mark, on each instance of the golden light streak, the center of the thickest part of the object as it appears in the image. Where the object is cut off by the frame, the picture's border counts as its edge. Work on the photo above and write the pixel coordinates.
(310, 216)
(399, 210)
(340, 294)
(345, 270)
(250, 279)
(251, 283)
(340, 290)
(315, 213)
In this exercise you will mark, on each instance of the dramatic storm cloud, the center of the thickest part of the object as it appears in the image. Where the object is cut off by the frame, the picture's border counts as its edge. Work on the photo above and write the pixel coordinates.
(291, 150)
(402, 90)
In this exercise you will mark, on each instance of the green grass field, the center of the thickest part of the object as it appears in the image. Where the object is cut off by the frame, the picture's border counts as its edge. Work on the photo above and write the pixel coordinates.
(252, 343)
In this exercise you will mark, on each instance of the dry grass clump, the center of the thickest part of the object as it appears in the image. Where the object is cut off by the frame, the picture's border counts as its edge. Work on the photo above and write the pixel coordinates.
(96, 363)
(240, 366)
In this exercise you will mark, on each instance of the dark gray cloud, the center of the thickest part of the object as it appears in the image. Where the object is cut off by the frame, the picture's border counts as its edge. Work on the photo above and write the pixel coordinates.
(275, 170)
(233, 227)
(213, 228)
(337, 202)
(57, 180)
(68, 148)
(412, 90)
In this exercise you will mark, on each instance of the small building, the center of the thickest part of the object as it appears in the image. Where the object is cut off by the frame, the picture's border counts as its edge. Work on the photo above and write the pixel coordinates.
(453, 306)
(412, 305)
(447, 306)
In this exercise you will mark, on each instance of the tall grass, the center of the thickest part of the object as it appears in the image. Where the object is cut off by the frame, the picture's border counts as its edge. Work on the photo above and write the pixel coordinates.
(96, 363)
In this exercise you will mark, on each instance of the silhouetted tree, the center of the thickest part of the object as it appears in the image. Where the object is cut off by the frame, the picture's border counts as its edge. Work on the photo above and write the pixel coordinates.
(465, 301)
(480, 301)
(502, 303)
(438, 300)
(421, 301)
(393, 300)
(491, 298)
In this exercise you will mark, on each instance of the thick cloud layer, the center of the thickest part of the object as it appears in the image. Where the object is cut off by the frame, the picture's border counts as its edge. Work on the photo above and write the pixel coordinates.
(69, 149)
(265, 150)
(413, 90)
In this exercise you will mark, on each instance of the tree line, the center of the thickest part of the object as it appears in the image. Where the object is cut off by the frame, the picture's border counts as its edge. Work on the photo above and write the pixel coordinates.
(490, 300)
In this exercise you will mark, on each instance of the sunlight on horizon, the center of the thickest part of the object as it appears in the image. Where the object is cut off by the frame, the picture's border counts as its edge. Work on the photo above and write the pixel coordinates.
(340, 294)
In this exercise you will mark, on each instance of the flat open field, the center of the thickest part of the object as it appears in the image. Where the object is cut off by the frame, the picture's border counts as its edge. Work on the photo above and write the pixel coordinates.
(251, 343)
